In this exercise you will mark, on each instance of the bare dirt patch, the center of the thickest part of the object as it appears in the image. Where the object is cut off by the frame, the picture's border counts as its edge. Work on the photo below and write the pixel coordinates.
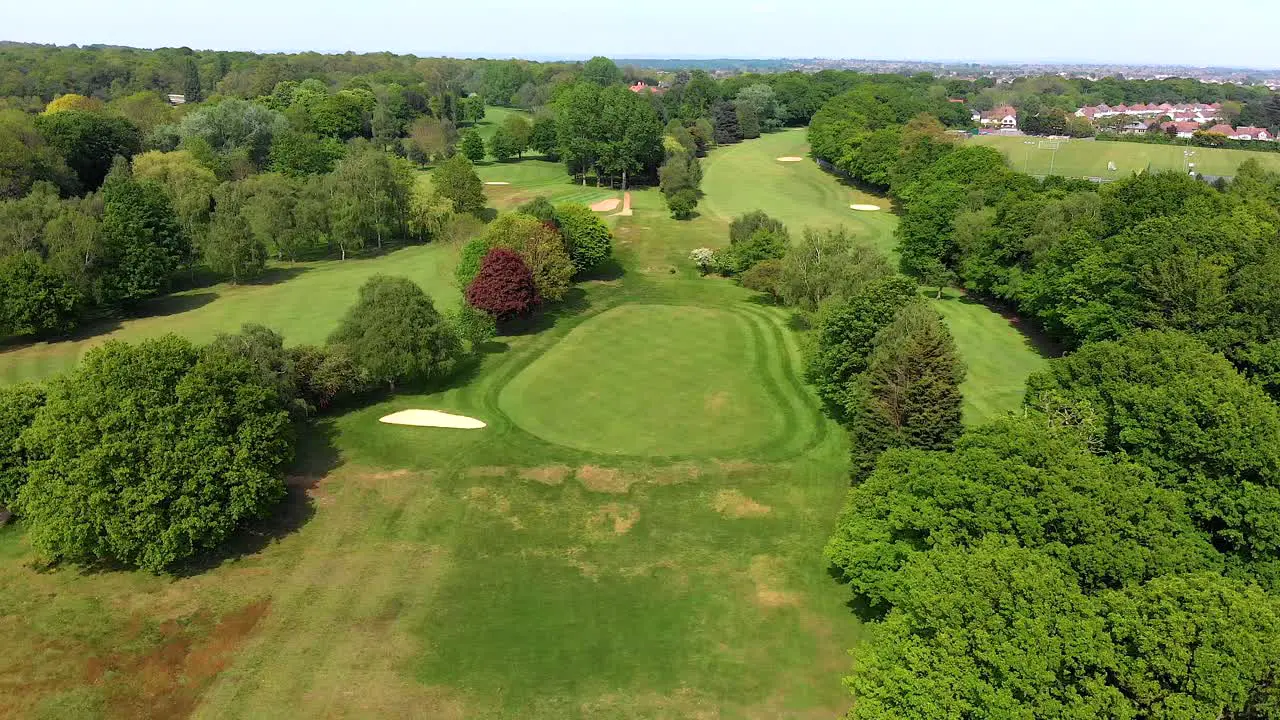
(766, 574)
(605, 480)
(606, 205)
(621, 518)
(547, 474)
(733, 504)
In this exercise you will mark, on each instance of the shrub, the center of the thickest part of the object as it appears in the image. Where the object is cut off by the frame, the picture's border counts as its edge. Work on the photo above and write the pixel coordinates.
(455, 180)
(476, 327)
(326, 375)
(395, 334)
(682, 203)
(585, 234)
(764, 277)
(540, 208)
(504, 287)
(151, 453)
(541, 248)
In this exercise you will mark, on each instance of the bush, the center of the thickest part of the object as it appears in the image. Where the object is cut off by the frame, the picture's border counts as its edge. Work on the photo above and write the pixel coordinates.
(18, 407)
(540, 208)
(539, 246)
(469, 260)
(324, 376)
(585, 234)
(395, 334)
(764, 277)
(504, 287)
(682, 203)
(475, 327)
(151, 453)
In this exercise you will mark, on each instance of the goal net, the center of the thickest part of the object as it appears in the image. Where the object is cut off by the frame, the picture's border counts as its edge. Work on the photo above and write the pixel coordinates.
(1050, 144)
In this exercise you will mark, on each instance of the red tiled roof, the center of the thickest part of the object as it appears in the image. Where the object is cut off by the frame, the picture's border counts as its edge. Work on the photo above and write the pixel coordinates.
(1222, 129)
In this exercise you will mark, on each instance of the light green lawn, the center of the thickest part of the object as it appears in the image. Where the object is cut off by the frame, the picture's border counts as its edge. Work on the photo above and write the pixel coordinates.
(1089, 158)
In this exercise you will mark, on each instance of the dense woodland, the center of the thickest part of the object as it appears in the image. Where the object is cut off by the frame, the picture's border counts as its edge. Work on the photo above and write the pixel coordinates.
(1110, 552)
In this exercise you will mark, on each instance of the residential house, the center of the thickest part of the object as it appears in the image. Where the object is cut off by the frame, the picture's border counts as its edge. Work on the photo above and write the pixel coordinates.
(1005, 117)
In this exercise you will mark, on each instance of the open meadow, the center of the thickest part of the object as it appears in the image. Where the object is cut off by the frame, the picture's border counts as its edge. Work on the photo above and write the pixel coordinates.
(1090, 158)
(636, 534)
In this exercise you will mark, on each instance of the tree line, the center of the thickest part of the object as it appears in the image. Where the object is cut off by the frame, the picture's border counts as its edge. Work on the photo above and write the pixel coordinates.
(1108, 551)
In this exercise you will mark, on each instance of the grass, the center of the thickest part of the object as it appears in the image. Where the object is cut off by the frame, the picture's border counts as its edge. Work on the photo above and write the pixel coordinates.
(748, 176)
(636, 534)
(1089, 158)
(304, 301)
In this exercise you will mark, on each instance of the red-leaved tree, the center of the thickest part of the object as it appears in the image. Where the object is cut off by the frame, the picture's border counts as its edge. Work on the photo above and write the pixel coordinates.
(504, 286)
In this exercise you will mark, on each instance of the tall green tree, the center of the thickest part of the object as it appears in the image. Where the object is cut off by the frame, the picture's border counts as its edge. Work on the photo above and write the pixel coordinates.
(396, 335)
(455, 181)
(472, 146)
(142, 242)
(601, 71)
(90, 142)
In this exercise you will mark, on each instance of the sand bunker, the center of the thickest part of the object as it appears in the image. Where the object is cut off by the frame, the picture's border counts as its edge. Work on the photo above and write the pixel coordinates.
(790, 158)
(432, 418)
(497, 182)
(865, 208)
(606, 205)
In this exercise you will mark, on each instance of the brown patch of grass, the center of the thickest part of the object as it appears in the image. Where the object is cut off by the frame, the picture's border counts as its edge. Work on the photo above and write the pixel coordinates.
(487, 471)
(167, 680)
(605, 480)
(676, 474)
(392, 486)
(735, 468)
(493, 503)
(715, 402)
(766, 575)
(683, 704)
(622, 518)
(547, 474)
(733, 504)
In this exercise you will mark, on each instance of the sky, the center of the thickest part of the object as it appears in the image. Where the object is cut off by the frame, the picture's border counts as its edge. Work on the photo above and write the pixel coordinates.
(1166, 31)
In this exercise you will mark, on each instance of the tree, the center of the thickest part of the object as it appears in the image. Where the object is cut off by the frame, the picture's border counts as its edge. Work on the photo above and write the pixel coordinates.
(542, 137)
(632, 142)
(233, 130)
(19, 405)
(520, 132)
(152, 453)
(27, 158)
(455, 180)
(587, 236)
(682, 203)
(579, 127)
(678, 179)
(297, 153)
(231, 248)
(1165, 400)
(502, 145)
(472, 146)
(760, 100)
(909, 395)
(431, 140)
(1034, 481)
(34, 299)
(994, 629)
(147, 110)
(142, 242)
(724, 116)
(191, 81)
(89, 141)
(395, 334)
(73, 101)
(541, 247)
(828, 263)
(748, 122)
(188, 183)
(602, 71)
(324, 376)
(370, 197)
(753, 237)
(504, 286)
(540, 208)
(844, 334)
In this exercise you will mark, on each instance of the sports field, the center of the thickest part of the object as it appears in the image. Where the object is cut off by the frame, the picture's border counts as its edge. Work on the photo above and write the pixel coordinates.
(637, 532)
(1090, 158)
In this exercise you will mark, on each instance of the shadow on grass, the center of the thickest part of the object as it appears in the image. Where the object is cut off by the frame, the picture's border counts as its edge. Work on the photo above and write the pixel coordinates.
(608, 270)
(574, 303)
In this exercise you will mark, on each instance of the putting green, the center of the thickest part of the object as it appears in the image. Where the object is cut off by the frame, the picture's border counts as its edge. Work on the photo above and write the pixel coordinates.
(653, 380)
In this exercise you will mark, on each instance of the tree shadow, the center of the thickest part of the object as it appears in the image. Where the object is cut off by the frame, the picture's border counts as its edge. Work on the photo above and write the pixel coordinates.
(174, 304)
(608, 270)
(799, 322)
(574, 302)
(764, 299)
(1033, 334)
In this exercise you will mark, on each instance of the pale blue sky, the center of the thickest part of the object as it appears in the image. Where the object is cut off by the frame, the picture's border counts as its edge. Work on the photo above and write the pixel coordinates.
(1239, 33)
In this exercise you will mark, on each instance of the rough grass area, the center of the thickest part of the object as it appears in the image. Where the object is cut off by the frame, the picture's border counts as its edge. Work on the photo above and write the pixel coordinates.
(636, 534)
(1089, 158)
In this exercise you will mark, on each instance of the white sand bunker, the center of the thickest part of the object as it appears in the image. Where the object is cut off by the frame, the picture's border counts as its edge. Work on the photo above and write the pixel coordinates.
(432, 418)
(790, 158)
(865, 208)
(606, 205)
(497, 182)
